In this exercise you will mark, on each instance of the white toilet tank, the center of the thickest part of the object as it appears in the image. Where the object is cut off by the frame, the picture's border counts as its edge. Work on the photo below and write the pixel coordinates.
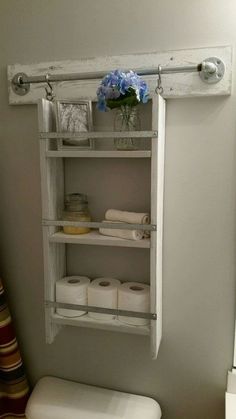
(54, 398)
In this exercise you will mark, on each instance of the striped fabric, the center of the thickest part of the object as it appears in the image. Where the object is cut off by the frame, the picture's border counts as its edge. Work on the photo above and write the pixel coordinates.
(14, 390)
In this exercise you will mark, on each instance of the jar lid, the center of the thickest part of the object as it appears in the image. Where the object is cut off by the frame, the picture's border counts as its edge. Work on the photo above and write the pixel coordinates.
(76, 198)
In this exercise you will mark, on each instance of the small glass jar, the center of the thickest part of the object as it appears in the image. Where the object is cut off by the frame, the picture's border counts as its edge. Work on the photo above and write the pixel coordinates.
(76, 209)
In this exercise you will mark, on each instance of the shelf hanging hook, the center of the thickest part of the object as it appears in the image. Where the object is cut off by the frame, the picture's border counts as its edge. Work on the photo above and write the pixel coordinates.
(49, 89)
(159, 89)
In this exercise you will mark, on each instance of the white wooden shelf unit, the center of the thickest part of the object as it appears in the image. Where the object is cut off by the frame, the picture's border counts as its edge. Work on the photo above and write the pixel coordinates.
(54, 240)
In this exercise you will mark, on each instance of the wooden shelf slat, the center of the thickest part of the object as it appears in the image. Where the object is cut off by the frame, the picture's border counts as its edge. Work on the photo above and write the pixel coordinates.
(101, 224)
(97, 239)
(113, 325)
(98, 134)
(98, 153)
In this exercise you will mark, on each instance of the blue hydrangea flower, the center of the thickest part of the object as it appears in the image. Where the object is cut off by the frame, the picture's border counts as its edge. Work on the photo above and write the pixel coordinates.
(119, 88)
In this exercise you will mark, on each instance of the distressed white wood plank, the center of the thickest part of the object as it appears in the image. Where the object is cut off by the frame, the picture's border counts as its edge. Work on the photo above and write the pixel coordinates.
(97, 239)
(230, 405)
(99, 154)
(157, 194)
(153, 250)
(52, 177)
(97, 225)
(54, 269)
(98, 135)
(112, 325)
(175, 85)
(52, 192)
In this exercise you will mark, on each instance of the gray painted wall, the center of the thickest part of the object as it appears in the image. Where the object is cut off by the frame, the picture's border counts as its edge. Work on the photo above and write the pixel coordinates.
(189, 377)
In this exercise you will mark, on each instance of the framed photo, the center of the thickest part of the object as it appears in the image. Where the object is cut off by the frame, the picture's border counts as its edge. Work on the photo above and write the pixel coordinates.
(74, 116)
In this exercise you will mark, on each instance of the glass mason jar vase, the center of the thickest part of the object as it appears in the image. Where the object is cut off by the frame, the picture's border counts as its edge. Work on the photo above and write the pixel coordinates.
(126, 119)
(76, 209)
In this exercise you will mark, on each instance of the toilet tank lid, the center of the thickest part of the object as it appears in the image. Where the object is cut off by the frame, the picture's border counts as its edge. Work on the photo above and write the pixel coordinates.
(54, 398)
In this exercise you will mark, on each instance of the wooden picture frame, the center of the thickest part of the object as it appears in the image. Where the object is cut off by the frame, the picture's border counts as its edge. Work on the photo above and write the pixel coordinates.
(74, 116)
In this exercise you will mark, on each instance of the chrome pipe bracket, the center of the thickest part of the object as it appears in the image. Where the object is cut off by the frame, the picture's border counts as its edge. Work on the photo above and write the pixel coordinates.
(212, 70)
(20, 85)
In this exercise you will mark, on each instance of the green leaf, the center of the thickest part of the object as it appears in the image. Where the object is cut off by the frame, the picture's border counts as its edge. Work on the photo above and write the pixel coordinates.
(126, 100)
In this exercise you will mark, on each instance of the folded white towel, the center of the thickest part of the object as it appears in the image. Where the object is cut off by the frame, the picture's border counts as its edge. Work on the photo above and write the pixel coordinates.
(146, 234)
(121, 233)
(127, 217)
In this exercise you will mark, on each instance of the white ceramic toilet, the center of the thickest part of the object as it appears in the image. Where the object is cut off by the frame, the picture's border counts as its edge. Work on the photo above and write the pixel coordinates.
(54, 398)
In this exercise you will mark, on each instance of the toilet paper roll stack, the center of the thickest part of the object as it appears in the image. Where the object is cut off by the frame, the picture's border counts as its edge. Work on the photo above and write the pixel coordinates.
(134, 296)
(72, 290)
(102, 292)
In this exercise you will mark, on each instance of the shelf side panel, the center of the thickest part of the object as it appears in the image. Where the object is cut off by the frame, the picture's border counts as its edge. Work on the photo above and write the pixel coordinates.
(54, 268)
(52, 170)
(157, 195)
(52, 195)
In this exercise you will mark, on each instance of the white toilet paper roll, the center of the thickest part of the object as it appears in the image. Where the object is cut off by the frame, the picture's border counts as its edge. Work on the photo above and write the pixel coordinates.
(134, 296)
(72, 290)
(102, 292)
